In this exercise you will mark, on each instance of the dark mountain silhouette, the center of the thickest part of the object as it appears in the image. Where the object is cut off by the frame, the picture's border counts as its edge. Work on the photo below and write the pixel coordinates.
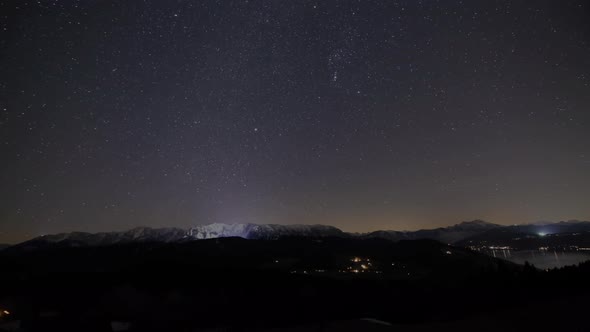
(449, 234)
(518, 240)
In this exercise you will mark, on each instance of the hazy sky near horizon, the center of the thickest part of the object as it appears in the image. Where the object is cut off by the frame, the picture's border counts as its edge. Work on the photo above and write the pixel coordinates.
(359, 114)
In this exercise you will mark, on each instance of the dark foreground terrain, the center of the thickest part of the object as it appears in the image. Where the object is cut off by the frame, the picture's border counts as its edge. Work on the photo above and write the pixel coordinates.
(297, 284)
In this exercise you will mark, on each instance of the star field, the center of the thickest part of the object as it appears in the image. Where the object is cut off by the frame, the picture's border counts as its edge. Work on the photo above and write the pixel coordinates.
(360, 114)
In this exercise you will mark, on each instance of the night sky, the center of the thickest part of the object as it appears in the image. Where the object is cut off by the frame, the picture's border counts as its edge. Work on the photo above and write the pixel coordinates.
(359, 114)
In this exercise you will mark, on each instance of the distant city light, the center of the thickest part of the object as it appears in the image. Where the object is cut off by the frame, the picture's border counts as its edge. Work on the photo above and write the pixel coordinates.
(542, 233)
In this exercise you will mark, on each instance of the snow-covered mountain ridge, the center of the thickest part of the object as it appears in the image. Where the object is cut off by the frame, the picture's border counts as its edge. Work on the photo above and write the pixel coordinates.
(450, 235)
(199, 232)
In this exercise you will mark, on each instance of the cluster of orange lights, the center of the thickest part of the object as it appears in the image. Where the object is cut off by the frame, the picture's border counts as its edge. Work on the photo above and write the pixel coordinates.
(358, 259)
(366, 264)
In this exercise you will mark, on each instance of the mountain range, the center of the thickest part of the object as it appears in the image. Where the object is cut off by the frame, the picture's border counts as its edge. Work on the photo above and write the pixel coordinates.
(460, 233)
(447, 235)
(566, 235)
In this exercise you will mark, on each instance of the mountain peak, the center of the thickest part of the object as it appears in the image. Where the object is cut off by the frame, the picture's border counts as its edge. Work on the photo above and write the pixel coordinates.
(261, 231)
(477, 222)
